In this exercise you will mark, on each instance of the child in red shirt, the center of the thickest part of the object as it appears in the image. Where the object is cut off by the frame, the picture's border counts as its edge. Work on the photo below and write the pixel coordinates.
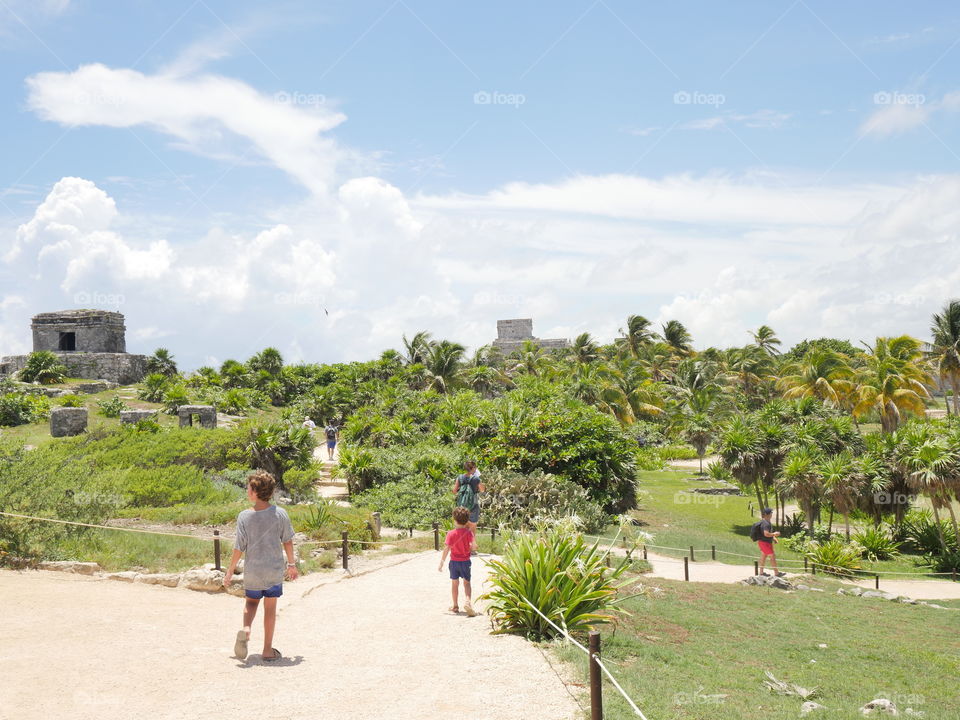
(459, 543)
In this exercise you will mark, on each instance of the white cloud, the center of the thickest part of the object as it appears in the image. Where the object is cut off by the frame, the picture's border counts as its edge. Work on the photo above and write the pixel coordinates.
(203, 113)
(766, 119)
(902, 112)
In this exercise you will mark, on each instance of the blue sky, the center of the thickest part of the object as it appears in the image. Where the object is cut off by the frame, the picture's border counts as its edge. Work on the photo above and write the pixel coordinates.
(336, 174)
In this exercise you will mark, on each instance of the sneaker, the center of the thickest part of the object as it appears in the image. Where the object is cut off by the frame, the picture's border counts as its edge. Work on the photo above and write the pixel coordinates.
(780, 574)
(240, 645)
(765, 574)
(468, 609)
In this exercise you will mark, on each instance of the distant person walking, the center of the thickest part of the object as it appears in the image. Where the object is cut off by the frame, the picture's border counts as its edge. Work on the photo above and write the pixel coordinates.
(265, 535)
(762, 532)
(333, 434)
(467, 488)
(309, 424)
(459, 543)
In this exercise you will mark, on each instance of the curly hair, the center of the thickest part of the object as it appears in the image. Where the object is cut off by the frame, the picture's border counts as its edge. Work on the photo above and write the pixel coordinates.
(262, 483)
(461, 515)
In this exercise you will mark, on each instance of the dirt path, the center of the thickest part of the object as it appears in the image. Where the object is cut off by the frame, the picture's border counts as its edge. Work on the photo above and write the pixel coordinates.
(375, 646)
(709, 571)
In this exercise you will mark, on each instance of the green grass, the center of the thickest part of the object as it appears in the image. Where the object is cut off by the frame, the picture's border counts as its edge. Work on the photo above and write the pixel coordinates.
(115, 550)
(706, 639)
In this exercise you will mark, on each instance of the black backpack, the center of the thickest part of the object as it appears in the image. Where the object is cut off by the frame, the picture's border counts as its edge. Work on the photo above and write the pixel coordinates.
(755, 532)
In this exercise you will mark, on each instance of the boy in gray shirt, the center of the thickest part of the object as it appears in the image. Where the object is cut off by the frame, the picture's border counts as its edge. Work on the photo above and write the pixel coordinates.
(265, 534)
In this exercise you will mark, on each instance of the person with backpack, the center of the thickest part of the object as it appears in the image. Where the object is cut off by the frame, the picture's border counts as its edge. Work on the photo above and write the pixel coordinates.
(762, 533)
(467, 489)
(333, 433)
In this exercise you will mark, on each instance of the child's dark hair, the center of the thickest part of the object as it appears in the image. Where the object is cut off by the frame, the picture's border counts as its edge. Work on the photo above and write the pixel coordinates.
(461, 515)
(263, 484)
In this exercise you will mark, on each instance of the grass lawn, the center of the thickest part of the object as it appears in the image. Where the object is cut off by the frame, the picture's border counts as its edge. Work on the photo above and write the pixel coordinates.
(698, 640)
(679, 519)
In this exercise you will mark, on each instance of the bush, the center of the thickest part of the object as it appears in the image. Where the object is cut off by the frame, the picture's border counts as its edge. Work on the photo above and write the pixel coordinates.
(173, 397)
(71, 400)
(556, 571)
(920, 531)
(677, 452)
(113, 407)
(43, 367)
(946, 562)
(300, 482)
(367, 467)
(649, 459)
(876, 544)
(519, 501)
(21, 409)
(834, 556)
(154, 386)
(415, 501)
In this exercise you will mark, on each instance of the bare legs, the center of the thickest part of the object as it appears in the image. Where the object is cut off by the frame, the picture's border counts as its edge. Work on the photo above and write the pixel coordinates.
(455, 594)
(269, 621)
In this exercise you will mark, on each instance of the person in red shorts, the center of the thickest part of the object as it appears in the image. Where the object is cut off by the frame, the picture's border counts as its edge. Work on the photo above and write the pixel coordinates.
(767, 538)
(459, 543)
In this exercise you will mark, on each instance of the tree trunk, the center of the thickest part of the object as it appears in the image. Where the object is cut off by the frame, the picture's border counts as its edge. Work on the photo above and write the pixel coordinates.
(701, 464)
(756, 487)
(830, 523)
(776, 512)
(808, 509)
(936, 517)
(953, 520)
(846, 520)
(955, 383)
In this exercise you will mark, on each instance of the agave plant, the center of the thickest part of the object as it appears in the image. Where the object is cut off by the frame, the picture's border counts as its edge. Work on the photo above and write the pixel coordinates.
(877, 544)
(562, 576)
(835, 556)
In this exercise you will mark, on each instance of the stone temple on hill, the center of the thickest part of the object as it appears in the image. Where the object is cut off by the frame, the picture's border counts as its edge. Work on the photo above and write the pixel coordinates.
(511, 334)
(90, 343)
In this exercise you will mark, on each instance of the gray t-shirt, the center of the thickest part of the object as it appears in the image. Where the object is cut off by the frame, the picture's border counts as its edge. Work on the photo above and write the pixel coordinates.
(260, 536)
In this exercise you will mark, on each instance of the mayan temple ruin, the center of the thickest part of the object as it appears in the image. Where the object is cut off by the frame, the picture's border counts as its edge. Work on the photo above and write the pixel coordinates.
(90, 343)
(511, 334)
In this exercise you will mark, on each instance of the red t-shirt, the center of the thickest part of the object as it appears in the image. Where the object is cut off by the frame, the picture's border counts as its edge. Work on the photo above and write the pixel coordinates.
(459, 540)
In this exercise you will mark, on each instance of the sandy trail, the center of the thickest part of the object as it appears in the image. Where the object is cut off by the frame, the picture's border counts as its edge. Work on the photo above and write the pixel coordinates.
(709, 571)
(375, 646)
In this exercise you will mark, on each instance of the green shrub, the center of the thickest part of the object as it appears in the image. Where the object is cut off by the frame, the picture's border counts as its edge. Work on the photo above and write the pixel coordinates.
(300, 482)
(649, 459)
(677, 452)
(18, 408)
(70, 400)
(174, 396)
(946, 562)
(834, 556)
(43, 367)
(519, 501)
(367, 467)
(153, 388)
(877, 544)
(921, 532)
(112, 408)
(415, 501)
(562, 576)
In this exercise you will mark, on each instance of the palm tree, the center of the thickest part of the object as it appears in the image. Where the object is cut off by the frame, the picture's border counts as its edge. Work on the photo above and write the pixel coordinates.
(891, 381)
(740, 448)
(484, 379)
(584, 349)
(443, 364)
(677, 337)
(417, 348)
(698, 431)
(933, 470)
(268, 360)
(801, 479)
(821, 373)
(162, 363)
(946, 348)
(766, 339)
(644, 396)
(842, 483)
(530, 359)
(594, 385)
(43, 367)
(658, 360)
(636, 335)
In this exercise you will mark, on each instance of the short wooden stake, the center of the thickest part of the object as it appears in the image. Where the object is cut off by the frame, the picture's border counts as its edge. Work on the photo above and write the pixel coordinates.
(216, 549)
(713, 552)
(436, 536)
(644, 552)
(596, 685)
(686, 569)
(756, 567)
(692, 558)
(877, 585)
(345, 551)
(805, 568)
(411, 532)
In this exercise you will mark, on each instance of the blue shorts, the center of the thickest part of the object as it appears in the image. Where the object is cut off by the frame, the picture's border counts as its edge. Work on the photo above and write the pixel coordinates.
(275, 591)
(331, 444)
(460, 569)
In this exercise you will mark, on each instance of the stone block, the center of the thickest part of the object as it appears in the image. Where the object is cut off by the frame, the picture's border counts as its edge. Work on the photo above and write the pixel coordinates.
(66, 422)
(71, 566)
(206, 413)
(132, 417)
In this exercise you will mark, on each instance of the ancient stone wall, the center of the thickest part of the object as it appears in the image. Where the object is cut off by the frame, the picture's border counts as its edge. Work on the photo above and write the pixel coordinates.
(120, 368)
(94, 331)
(68, 421)
(519, 329)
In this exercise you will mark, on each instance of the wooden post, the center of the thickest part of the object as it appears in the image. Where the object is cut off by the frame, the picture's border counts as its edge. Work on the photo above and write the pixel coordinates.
(813, 568)
(877, 586)
(805, 568)
(377, 521)
(756, 567)
(216, 549)
(686, 569)
(596, 686)
(954, 574)
(345, 551)
(411, 532)
(644, 552)
(713, 552)
(436, 536)
(692, 558)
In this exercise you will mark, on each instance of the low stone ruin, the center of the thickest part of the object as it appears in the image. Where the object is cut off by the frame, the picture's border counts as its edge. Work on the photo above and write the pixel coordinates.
(207, 415)
(68, 421)
(132, 417)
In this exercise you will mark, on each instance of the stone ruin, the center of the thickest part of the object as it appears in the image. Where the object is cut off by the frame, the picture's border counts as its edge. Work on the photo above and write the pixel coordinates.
(511, 334)
(68, 421)
(132, 417)
(90, 343)
(207, 415)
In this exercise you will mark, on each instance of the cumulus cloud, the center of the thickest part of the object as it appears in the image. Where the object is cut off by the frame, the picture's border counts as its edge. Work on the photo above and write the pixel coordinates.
(201, 112)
